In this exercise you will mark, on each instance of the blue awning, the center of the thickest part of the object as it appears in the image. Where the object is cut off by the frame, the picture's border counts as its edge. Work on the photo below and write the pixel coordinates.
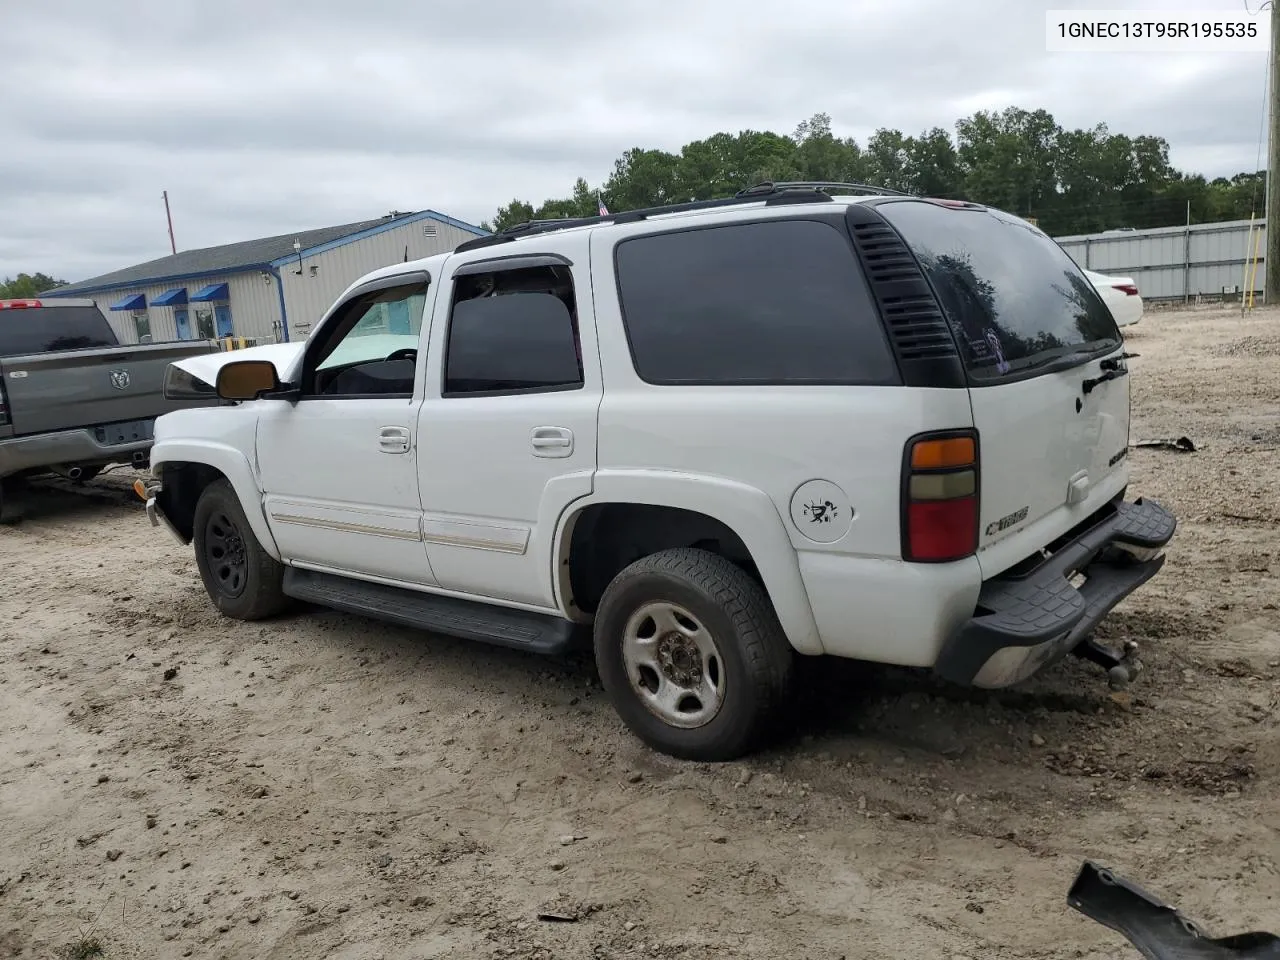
(137, 302)
(171, 298)
(214, 291)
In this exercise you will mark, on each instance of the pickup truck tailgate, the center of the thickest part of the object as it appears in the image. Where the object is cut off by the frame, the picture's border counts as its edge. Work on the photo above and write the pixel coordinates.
(77, 388)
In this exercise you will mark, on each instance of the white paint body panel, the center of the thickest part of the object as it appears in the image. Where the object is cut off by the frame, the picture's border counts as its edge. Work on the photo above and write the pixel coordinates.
(491, 497)
(1033, 443)
(493, 518)
(333, 496)
(225, 439)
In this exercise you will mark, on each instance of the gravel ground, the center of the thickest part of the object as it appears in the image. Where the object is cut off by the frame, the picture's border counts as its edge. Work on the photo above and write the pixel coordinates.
(174, 784)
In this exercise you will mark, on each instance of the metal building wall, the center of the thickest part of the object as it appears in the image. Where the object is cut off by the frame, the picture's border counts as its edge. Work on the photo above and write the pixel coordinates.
(325, 275)
(255, 306)
(1169, 263)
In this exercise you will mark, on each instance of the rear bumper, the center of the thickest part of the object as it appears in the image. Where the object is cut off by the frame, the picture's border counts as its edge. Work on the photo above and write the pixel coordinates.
(1028, 620)
(78, 446)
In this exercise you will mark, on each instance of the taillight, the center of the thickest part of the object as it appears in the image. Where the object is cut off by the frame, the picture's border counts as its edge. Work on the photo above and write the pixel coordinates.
(19, 304)
(940, 497)
(1128, 289)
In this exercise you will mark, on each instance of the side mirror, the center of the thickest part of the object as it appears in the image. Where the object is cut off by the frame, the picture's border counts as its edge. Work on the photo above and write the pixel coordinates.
(247, 379)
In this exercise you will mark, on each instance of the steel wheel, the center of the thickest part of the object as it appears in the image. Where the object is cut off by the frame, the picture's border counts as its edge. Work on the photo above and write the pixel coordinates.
(224, 549)
(674, 665)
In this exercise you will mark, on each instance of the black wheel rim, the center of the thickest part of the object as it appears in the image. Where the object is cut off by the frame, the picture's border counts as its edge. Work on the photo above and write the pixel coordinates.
(224, 551)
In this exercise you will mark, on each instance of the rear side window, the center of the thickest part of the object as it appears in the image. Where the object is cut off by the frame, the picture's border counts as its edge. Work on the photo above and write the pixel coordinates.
(775, 302)
(1013, 297)
(50, 327)
(513, 331)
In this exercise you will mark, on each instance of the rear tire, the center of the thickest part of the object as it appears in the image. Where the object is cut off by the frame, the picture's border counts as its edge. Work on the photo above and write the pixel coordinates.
(692, 655)
(242, 579)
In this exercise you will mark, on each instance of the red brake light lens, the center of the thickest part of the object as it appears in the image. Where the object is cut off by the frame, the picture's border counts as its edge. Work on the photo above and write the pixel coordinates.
(19, 304)
(942, 530)
(940, 498)
(1128, 289)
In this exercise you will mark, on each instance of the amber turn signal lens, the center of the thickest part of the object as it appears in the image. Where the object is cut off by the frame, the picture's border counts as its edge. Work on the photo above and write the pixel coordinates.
(941, 454)
(140, 489)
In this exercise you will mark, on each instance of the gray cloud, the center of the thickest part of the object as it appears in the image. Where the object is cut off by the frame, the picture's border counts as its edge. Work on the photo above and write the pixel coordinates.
(260, 119)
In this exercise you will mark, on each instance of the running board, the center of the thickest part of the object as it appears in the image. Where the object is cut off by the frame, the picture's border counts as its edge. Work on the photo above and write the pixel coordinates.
(468, 619)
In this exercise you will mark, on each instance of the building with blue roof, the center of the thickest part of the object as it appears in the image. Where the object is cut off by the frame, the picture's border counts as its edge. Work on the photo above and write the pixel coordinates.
(266, 290)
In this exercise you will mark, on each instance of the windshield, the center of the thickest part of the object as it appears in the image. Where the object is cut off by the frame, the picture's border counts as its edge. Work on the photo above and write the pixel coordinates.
(1015, 300)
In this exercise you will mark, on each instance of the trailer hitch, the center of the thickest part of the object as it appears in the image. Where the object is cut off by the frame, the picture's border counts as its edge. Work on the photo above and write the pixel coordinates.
(1158, 931)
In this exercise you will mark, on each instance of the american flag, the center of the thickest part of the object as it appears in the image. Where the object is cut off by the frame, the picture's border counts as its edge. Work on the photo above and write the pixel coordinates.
(601, 208)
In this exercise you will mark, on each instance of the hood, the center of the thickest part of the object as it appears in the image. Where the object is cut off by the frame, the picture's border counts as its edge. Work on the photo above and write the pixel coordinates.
(206, 366)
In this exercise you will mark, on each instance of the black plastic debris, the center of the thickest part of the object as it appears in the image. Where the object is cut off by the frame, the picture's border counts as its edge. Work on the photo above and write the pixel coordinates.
(1178, 444)
(1158, 931)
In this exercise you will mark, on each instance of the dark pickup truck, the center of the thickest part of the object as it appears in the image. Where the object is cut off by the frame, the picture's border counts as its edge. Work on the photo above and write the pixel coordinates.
(73, 399)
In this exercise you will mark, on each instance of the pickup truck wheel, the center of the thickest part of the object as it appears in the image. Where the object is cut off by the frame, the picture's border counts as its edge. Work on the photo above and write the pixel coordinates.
(242, 579)
(692, 655)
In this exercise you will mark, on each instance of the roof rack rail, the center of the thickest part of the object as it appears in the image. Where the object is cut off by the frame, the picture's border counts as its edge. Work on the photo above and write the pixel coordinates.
(770, 193)
(824, 185)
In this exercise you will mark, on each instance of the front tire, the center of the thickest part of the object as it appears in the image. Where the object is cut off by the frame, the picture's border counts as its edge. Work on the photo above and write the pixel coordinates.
(692, 655)
(242, 579)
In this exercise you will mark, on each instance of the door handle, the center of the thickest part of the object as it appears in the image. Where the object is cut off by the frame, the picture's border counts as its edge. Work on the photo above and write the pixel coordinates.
(393, 440)
(551, 441)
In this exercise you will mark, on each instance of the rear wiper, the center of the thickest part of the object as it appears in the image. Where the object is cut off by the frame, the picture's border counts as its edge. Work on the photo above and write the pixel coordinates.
(1113, 369)
(1115, 373)
(1116, 363)
(1067, 356)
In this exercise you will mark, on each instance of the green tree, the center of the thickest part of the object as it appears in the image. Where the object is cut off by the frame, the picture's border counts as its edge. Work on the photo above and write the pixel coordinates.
(1023, 161)
(26, 286)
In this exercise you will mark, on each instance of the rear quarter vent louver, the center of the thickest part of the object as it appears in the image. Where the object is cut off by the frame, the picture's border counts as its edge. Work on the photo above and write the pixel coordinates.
(917, 329)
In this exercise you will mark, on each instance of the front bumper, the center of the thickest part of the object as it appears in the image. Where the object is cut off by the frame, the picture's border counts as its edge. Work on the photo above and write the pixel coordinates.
(1028, 619)
(158, 519)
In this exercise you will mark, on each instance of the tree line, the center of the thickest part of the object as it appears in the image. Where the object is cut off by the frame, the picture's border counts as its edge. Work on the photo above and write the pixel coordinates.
(1022, 161)
(27, 286)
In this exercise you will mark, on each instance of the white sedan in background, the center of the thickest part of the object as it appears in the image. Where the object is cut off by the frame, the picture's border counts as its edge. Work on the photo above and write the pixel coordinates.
(1120, 294)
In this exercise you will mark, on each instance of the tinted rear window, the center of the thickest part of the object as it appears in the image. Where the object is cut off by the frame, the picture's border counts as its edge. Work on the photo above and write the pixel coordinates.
(776, 302)
(48, 328)
(1013, 297)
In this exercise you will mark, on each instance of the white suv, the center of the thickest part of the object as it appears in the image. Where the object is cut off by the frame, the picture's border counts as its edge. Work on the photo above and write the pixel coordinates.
(811, 418)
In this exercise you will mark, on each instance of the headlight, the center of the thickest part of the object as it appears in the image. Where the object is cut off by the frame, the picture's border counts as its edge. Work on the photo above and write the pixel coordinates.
(180, 385)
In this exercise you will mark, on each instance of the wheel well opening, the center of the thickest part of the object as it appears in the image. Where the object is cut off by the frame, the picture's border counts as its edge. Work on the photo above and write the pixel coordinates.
(181, 486)
(609, 537)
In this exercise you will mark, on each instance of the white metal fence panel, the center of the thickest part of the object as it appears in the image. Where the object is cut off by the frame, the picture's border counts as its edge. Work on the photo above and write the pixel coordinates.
(1178, 263)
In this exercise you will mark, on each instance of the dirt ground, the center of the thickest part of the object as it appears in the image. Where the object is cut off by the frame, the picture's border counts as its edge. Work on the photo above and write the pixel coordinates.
(175, 784)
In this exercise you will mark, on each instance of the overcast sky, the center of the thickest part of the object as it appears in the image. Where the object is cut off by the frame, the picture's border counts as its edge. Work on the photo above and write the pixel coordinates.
(262, 118)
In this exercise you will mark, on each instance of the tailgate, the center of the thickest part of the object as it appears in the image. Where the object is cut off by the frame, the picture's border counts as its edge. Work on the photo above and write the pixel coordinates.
(1046, 467)
(77, 388)
(1047, 376)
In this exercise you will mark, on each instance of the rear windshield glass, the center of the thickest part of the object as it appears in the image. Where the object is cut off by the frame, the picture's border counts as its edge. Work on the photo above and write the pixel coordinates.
(1014, 299)
(48, 328)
